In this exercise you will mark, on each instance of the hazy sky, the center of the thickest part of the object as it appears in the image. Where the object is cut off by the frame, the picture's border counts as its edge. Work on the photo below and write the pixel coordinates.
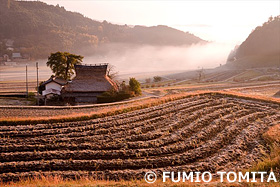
(221, 20)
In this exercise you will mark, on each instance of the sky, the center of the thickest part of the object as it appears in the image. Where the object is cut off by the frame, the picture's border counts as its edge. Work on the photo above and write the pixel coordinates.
(223, 21)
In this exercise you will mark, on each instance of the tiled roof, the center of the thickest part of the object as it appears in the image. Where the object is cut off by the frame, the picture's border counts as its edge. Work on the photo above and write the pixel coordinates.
(57, 80)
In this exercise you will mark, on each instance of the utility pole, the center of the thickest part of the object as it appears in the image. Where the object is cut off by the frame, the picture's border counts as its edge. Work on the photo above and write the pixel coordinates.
(37, 68)
(8, 4)
(26, 83)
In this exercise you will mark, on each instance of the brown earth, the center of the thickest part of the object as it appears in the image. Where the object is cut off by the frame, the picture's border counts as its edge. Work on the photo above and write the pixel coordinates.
(208, 132)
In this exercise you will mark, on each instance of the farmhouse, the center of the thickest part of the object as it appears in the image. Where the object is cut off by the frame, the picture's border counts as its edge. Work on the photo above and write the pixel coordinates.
(53, 86)
(90, 82)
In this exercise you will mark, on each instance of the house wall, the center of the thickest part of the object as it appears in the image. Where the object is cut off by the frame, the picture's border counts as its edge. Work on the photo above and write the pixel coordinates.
(86, 99)
(79, 97)
(53, 85)
(49, 96)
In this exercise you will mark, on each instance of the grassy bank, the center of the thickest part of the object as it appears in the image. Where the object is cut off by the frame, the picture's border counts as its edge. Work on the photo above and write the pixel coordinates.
(272, 161)
(120, 109)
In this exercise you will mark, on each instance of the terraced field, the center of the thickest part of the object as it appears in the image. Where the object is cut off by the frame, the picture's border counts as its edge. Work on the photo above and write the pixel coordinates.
(208, 132)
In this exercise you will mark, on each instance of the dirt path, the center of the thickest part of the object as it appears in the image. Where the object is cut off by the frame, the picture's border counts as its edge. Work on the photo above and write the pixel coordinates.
(249, 88)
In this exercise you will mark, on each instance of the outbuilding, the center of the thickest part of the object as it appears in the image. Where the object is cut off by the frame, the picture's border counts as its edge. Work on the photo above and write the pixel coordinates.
(53, 86)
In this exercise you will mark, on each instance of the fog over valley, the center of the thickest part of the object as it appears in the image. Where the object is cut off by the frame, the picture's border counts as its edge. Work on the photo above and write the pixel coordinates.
(147, 58)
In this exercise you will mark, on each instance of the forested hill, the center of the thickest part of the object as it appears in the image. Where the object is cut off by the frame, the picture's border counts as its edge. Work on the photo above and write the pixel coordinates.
(38, 29)
(260, 49)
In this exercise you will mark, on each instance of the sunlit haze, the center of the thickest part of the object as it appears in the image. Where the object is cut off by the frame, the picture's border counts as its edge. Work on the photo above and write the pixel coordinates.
(220, 21)
(223, 23)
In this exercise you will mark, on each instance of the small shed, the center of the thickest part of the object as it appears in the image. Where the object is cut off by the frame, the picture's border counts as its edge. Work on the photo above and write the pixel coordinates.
(90, 82)
(53, 86)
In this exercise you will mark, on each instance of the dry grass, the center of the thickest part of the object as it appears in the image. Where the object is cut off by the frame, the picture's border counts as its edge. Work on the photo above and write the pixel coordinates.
(86, 182)
(265, 90)
(272, 161)
(272, 135)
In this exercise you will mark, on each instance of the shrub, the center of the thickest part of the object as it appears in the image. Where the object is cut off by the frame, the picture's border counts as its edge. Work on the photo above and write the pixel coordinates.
(135, 86)
(108, 97)
(157, 78)
(31, 97)
(125, 92)
(31, 94)
(148, 80)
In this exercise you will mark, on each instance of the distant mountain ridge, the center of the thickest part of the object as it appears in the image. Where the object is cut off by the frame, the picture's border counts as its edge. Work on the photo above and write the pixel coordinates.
(260, 49)
(38, 29)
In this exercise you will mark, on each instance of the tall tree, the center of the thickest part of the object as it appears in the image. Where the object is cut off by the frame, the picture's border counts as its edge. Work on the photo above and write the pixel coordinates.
(62, 64)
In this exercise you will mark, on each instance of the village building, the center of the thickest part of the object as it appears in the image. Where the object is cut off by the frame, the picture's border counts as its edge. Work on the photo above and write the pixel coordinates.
(6, 58)
(10, 48)
(53, 87)
(8, 61)
(16, 56)
(9, 43)
(90, 82)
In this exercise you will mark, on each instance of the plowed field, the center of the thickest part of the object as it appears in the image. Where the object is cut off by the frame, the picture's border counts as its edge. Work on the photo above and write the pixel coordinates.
(198, 133)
